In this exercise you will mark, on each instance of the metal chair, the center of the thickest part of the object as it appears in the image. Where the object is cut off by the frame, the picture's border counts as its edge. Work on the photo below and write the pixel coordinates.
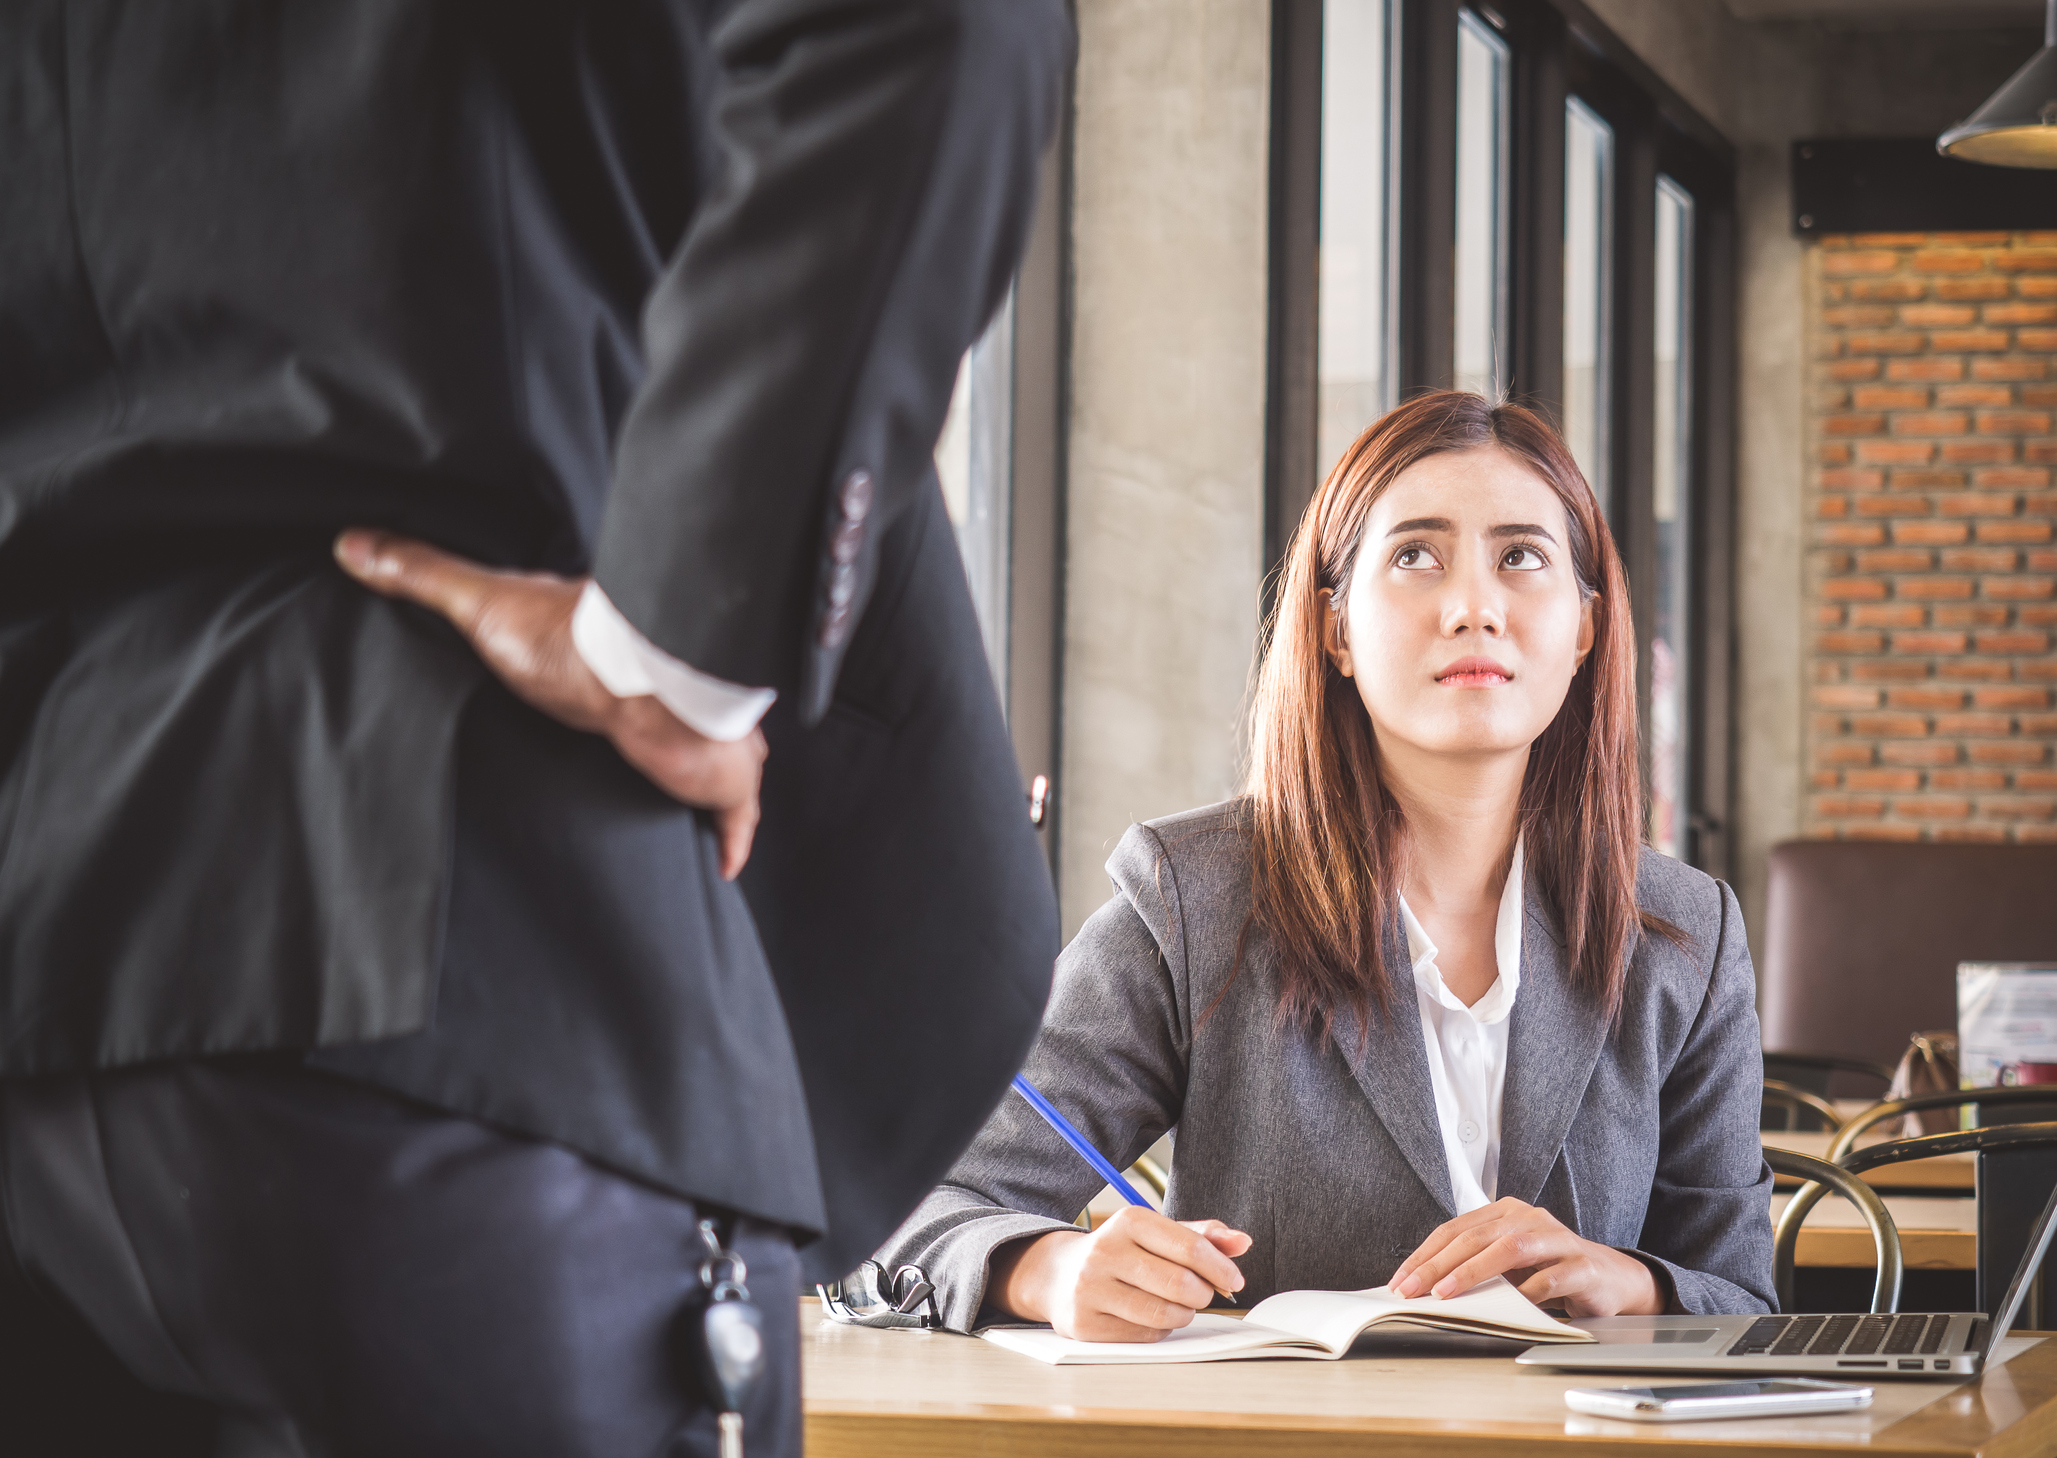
(1996, 1097)
(1794, 1103)
(1815, 1071)
(1823, 1176)
(1146, 1169)
(2007, 1207)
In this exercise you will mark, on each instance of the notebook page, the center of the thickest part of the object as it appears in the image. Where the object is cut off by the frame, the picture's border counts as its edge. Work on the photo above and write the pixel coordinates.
(1334, 1318)
(1209, 1338)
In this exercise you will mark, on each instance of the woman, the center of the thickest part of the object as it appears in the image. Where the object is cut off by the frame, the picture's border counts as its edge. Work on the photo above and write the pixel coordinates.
(1420, 1006)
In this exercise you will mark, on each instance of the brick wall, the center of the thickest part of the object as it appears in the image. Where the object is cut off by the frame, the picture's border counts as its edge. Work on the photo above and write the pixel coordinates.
(1932, 569)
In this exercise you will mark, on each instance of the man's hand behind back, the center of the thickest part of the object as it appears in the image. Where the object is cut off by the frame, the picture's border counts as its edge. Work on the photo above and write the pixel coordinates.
(519, 623)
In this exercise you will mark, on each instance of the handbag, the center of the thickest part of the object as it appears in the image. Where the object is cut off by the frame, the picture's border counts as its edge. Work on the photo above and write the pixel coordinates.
(1928, 1066)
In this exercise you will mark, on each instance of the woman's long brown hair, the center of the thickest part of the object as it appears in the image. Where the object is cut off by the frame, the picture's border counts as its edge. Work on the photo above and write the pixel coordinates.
(1328, 836)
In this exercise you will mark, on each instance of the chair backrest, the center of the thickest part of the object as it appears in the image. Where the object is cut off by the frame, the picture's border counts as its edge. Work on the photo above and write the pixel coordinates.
(2011, 1104)
(1862, 938)
(1788, 1107)
(1824, 1177)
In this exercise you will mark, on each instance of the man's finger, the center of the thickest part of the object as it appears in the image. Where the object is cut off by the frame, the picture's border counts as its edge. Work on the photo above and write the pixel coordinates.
(405, 568)
(736, 827)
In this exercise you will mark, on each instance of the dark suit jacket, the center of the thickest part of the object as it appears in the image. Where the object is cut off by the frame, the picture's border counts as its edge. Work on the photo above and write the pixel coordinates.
(672, 292)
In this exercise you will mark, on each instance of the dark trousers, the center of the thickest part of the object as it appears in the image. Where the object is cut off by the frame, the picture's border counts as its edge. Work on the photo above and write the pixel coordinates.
(241, 1257)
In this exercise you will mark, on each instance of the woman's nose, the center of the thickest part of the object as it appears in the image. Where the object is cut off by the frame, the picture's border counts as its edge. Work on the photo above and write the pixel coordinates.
(1472, 603)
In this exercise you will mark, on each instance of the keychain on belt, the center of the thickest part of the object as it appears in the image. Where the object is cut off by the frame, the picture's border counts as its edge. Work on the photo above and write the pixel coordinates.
(731, 1351)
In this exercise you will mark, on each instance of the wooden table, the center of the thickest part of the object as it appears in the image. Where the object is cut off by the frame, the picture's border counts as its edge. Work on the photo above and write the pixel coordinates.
(1935, 1234)
(928, 1395)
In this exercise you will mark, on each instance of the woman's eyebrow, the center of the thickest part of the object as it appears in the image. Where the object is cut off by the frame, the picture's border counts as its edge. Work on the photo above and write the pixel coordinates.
(1444, 524)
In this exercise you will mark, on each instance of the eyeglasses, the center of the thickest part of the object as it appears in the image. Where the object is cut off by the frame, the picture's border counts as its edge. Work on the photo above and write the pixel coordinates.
(869, 1297)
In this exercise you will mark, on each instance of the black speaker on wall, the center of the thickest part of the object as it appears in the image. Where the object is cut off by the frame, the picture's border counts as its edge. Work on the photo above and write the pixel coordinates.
(1903, 185)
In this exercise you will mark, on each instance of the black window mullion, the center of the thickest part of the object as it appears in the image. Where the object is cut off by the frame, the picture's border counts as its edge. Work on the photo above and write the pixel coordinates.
(1634, 390)
(1536, 312)
(1293, 363)
(1711, 787)
(1421, 277)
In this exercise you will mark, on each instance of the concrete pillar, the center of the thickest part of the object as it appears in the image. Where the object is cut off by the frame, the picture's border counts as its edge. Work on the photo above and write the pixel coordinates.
(1164, 530)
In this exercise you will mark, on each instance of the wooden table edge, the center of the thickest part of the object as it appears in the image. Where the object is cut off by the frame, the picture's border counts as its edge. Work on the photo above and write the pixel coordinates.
(1935, 1430)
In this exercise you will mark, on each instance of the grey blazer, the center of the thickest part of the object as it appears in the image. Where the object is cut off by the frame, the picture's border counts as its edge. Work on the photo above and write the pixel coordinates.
(1642, 1136)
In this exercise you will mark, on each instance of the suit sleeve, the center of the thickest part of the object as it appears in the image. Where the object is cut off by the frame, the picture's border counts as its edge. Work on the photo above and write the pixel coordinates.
(876, 189)
(1112, 1056)
(1707, 1235)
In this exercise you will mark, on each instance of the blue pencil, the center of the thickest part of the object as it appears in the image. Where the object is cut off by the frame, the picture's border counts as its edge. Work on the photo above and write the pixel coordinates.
(1100, 1163)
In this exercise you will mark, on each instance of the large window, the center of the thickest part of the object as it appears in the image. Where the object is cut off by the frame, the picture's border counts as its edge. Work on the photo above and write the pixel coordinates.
(1480, 307)
(999, 460)
(1588, 203)
(1467, 193)
(975, 464)
(1352, 374)
(1671, 474)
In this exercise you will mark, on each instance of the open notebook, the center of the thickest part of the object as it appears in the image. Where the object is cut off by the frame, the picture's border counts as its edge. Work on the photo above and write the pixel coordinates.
(1320, 1324)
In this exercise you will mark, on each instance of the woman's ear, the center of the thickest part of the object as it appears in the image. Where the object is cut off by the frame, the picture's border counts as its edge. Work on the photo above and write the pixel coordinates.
(1332, 638)
(1585, 632)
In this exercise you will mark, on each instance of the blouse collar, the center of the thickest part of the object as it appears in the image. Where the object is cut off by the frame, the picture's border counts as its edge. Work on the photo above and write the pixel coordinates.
(1498, 1000)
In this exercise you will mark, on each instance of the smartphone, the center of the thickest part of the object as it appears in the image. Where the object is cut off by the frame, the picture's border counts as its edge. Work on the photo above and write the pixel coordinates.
(1692, 1401)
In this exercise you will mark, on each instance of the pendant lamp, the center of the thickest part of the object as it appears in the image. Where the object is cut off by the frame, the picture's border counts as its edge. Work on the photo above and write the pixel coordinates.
(2017, 127)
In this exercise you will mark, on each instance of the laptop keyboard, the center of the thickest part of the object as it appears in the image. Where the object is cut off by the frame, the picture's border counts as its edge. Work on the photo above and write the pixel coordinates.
(1842, 1336)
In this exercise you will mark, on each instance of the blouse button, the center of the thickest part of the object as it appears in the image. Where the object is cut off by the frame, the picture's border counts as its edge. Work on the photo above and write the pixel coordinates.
(1469, 1132)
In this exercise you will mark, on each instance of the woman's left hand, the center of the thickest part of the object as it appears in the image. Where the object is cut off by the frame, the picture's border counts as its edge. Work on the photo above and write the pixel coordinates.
(1531, 1248)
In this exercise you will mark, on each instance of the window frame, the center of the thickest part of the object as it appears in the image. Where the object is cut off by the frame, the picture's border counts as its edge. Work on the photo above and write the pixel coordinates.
(1558, 49)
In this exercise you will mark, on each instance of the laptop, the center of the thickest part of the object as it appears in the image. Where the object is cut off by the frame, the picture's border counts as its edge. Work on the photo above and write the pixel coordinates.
(1915, 1344)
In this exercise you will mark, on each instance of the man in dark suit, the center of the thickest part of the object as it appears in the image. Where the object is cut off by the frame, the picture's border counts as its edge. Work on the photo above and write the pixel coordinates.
(383, 1037)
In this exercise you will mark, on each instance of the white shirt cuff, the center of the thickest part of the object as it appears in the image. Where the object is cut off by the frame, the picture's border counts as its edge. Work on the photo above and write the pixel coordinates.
(629, 666)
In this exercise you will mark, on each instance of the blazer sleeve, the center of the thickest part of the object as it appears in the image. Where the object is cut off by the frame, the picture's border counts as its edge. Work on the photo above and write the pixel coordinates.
(879, 159)
(1708, 1230)
(1111, 1056)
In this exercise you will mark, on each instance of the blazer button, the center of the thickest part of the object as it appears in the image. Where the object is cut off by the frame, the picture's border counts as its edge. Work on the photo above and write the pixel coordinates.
(855, 496)
(842, 586)
(844, 542)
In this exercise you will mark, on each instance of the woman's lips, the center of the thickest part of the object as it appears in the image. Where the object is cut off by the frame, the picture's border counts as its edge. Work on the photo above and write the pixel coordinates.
(1474, 673)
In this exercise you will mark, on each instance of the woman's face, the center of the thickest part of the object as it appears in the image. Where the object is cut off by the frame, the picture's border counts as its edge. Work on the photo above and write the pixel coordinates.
(1463, 624)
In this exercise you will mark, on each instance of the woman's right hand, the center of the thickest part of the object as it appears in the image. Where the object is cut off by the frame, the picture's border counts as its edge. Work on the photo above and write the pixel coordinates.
(1137, 1278)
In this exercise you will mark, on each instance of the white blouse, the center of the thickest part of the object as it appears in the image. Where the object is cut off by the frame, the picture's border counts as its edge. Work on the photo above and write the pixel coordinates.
(1467, 1047)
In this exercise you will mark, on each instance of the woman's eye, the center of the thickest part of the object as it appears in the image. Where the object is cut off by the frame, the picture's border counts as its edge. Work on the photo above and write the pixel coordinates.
(1413, 557)
(1522, 559)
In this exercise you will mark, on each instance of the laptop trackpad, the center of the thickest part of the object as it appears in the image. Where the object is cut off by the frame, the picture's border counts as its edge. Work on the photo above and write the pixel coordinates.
(1634, 1333)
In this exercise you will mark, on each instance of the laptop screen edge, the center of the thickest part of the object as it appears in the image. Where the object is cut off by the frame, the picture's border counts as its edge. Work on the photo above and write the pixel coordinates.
(2017, 1291)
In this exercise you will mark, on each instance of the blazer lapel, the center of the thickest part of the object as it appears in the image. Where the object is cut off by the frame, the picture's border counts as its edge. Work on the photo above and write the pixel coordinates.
(1554, 1038)
(1392, 1069)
